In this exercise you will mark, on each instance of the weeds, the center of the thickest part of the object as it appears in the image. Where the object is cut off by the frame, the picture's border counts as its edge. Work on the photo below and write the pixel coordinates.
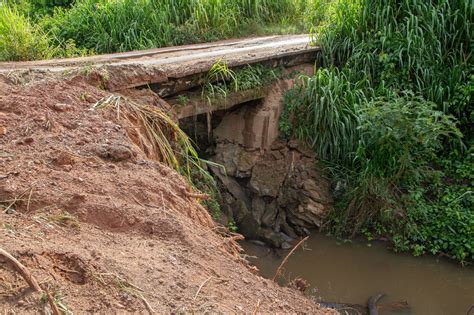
(62, 219)
(58, 300)
(221, 80)
(20, 40)
(124, 286)
(160, 137)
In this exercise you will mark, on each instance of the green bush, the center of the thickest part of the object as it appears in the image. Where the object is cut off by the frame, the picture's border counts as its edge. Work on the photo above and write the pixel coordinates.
(20, 40)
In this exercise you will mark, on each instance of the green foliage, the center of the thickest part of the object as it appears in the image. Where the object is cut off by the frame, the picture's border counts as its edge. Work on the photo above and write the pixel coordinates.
(19, 39)
(39, 8)
(384, 122)
(399, 135)
(321, 111)
(443, 222)
(122, 25)
(421, 46)
(105, 26)
(220, 80)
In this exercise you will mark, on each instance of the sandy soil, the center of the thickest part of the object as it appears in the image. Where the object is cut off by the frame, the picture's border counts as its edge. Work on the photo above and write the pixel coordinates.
(102, 227)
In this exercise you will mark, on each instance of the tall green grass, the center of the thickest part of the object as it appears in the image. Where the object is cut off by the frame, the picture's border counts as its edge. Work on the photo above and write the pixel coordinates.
(122, 25)
(105, 26)
(20, 40)
(384, 116)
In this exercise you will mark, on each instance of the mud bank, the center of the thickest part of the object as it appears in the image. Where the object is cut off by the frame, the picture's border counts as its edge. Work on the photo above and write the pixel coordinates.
(103, 227)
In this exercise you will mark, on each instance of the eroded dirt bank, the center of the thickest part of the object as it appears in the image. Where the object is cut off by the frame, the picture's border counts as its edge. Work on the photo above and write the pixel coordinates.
(102, 227)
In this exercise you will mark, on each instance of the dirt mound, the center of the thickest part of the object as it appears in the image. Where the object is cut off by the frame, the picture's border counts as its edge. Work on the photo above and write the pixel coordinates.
(103, 228)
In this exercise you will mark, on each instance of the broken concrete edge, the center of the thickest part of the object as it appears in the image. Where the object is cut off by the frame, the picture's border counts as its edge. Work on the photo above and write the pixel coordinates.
(197, 104)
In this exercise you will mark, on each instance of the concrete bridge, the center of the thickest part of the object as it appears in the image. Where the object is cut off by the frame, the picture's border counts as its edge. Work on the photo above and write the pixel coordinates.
(172, 71)
(165, 65)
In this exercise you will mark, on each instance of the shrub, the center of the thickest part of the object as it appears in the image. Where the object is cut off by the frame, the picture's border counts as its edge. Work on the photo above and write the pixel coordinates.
(20, 40)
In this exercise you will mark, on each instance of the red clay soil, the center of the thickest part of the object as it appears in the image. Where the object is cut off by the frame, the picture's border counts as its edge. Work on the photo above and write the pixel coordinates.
(103, 228)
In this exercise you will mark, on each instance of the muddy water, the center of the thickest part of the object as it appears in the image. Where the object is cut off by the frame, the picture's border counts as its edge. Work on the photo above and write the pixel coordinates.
(351, 272)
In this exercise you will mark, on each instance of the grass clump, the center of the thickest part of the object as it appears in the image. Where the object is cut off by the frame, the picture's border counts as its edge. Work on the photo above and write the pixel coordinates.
(160, 137)
(20, 39)
(221, 80)
(62, 219)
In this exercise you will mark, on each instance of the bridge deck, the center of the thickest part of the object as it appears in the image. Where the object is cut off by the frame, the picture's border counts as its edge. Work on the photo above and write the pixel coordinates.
(182, 60)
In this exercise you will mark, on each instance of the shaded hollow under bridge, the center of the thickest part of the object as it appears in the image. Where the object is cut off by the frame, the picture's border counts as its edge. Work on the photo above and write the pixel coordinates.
(177, 71)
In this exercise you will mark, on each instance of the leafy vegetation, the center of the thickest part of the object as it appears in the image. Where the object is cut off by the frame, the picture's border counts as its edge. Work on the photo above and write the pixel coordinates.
(19, 39)
(392, 116)
(221, 80)
(104, 26)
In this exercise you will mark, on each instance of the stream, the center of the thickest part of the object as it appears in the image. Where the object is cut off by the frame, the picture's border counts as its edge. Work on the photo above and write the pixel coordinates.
(352, 272)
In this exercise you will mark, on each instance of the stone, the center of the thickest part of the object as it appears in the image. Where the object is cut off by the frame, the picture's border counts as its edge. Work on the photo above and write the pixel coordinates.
(238, 162)
(60, 107)
(10, 210)
(245, 162)
(288, 230)
(272, 238)
(249, 227)
(269, 217)
(232, 187)
(286, 238)
(267, 177)
(114, 152)
(286, 245)
(293, 144)
(258, 209)
(240, 211)
(278, 145)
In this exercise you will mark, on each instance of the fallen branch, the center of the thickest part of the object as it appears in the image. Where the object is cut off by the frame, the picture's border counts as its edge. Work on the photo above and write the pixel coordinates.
(151, 311)
(24, 272)
(201, 286)
(257, 308)
(278, 271)
(372, 303)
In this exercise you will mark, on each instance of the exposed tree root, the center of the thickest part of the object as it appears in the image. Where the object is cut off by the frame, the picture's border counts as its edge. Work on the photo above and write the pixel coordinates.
(201, 286)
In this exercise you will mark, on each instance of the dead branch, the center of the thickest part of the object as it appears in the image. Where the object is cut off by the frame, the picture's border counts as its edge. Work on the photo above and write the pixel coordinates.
(201, 286)
(257, 307)
(278, 271)
(147, 305)
(24, 272)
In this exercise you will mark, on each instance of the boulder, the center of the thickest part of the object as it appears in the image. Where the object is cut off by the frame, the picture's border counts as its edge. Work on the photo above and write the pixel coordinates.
(240, 212)
(267, 177)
